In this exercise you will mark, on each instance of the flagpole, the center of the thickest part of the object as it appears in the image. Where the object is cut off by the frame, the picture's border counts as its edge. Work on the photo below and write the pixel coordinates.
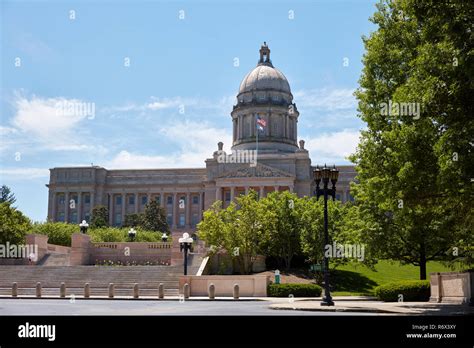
(256, 155)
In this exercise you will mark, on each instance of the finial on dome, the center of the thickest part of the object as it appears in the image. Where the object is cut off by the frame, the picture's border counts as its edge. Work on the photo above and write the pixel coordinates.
(265, 55)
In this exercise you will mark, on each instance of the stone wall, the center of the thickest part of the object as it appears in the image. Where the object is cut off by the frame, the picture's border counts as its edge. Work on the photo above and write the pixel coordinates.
(452, 287)
(131, 252)
(249, 285)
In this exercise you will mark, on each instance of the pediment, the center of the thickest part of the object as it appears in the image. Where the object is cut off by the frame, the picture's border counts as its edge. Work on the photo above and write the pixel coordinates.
(258, 171)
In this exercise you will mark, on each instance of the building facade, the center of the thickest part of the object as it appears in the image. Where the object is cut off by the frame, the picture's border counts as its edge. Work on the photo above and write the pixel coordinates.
(265, 157)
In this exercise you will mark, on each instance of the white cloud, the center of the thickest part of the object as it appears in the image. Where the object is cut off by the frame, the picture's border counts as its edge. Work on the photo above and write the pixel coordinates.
(45, 117)
(326, 99)
(194, 143)
(333, 147)
(23, 173)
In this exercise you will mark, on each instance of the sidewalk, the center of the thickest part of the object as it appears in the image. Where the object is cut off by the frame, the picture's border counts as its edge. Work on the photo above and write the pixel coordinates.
(407, 308)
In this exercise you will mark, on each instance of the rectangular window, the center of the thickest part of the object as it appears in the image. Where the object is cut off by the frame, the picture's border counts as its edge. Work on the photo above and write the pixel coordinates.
(195, 219)
(158, 199)
(87, 217)
(144, 200)
(169, 219)
(118, 200)
(195, 199)
(182, 220)
(87, 199)
(73, 217)
(182, 202)
(118, 219)
(227, 196)
(131, 200)
(61, 199)
(351, 198)
(61, 217)
(169, 200)
(75, 199)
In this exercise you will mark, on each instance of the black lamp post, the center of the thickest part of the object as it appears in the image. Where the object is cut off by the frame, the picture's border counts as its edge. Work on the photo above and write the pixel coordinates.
(131, 234)
(325, 174)
(185, 244)
(83, 226)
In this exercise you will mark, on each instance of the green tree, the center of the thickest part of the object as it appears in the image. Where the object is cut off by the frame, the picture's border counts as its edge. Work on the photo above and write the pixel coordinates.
(154, 218)
(100, 217)
(133, 220)
(13, 225)
(414, 160)
(281, 225)
(6, 195)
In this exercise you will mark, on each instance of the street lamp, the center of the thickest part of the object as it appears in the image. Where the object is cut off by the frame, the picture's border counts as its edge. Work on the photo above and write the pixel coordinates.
(132, 233)
(325, 174)
(185, 244)
(84, 226)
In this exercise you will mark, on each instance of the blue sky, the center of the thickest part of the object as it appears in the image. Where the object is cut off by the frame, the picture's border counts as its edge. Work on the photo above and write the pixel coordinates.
(172, 104)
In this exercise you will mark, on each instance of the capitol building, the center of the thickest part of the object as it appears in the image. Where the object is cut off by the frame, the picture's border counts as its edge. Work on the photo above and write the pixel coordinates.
(265, 117)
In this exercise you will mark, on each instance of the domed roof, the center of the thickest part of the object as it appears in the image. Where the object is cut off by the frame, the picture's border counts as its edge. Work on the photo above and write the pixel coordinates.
(264, 76)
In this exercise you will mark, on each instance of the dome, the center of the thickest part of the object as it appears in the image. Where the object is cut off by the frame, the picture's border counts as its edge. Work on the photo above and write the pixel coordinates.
(264, 77)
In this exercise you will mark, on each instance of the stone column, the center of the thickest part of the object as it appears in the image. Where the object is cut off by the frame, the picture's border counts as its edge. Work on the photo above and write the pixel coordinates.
(79, 207)
(246, 190)
(162, 200)
(111, 209)
(188, 209)
(53, 206)
(124, 198)
(136, 202)
(232, 193)
(291, 187)
(91, 204)
(262, 191)
(218, 193)
(201, 204)
(175, 210)
(66, 202)
(148, 198)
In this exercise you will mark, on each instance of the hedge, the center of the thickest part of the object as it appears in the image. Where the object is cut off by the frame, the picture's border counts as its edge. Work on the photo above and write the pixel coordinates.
(412, 290)
(297, 290)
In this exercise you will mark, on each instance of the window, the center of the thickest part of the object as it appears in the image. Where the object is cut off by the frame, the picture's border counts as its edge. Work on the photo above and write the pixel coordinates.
(118, 219)
(73, 217)
(75, 199)
(158, 199)
(144, 200)
(182, 220)
(61, 199)
(169, 200)
(118, 200)
(87, 199)
(195, 199)
(182, 202)
(61, 217)
(131, 200)
(351, 198)
(195, 219)
(87, 217)
(227, 196)
(169, 219)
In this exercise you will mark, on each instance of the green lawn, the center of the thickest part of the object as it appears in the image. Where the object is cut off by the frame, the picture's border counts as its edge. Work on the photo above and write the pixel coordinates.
(356, 279)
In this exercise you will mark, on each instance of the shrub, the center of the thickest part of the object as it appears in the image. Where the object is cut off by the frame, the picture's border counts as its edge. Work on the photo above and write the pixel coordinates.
(297, 290)
(58, 233)
(412, 290)
(13, 225)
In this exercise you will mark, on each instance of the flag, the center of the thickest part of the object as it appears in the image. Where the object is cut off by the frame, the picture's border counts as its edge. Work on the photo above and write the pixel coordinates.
(261, 123)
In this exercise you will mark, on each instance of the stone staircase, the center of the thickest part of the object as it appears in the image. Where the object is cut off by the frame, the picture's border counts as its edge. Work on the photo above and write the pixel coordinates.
(55, 259)
(99, 277)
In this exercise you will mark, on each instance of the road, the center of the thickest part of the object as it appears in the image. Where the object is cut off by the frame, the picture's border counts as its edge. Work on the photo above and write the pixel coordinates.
(140, 307)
